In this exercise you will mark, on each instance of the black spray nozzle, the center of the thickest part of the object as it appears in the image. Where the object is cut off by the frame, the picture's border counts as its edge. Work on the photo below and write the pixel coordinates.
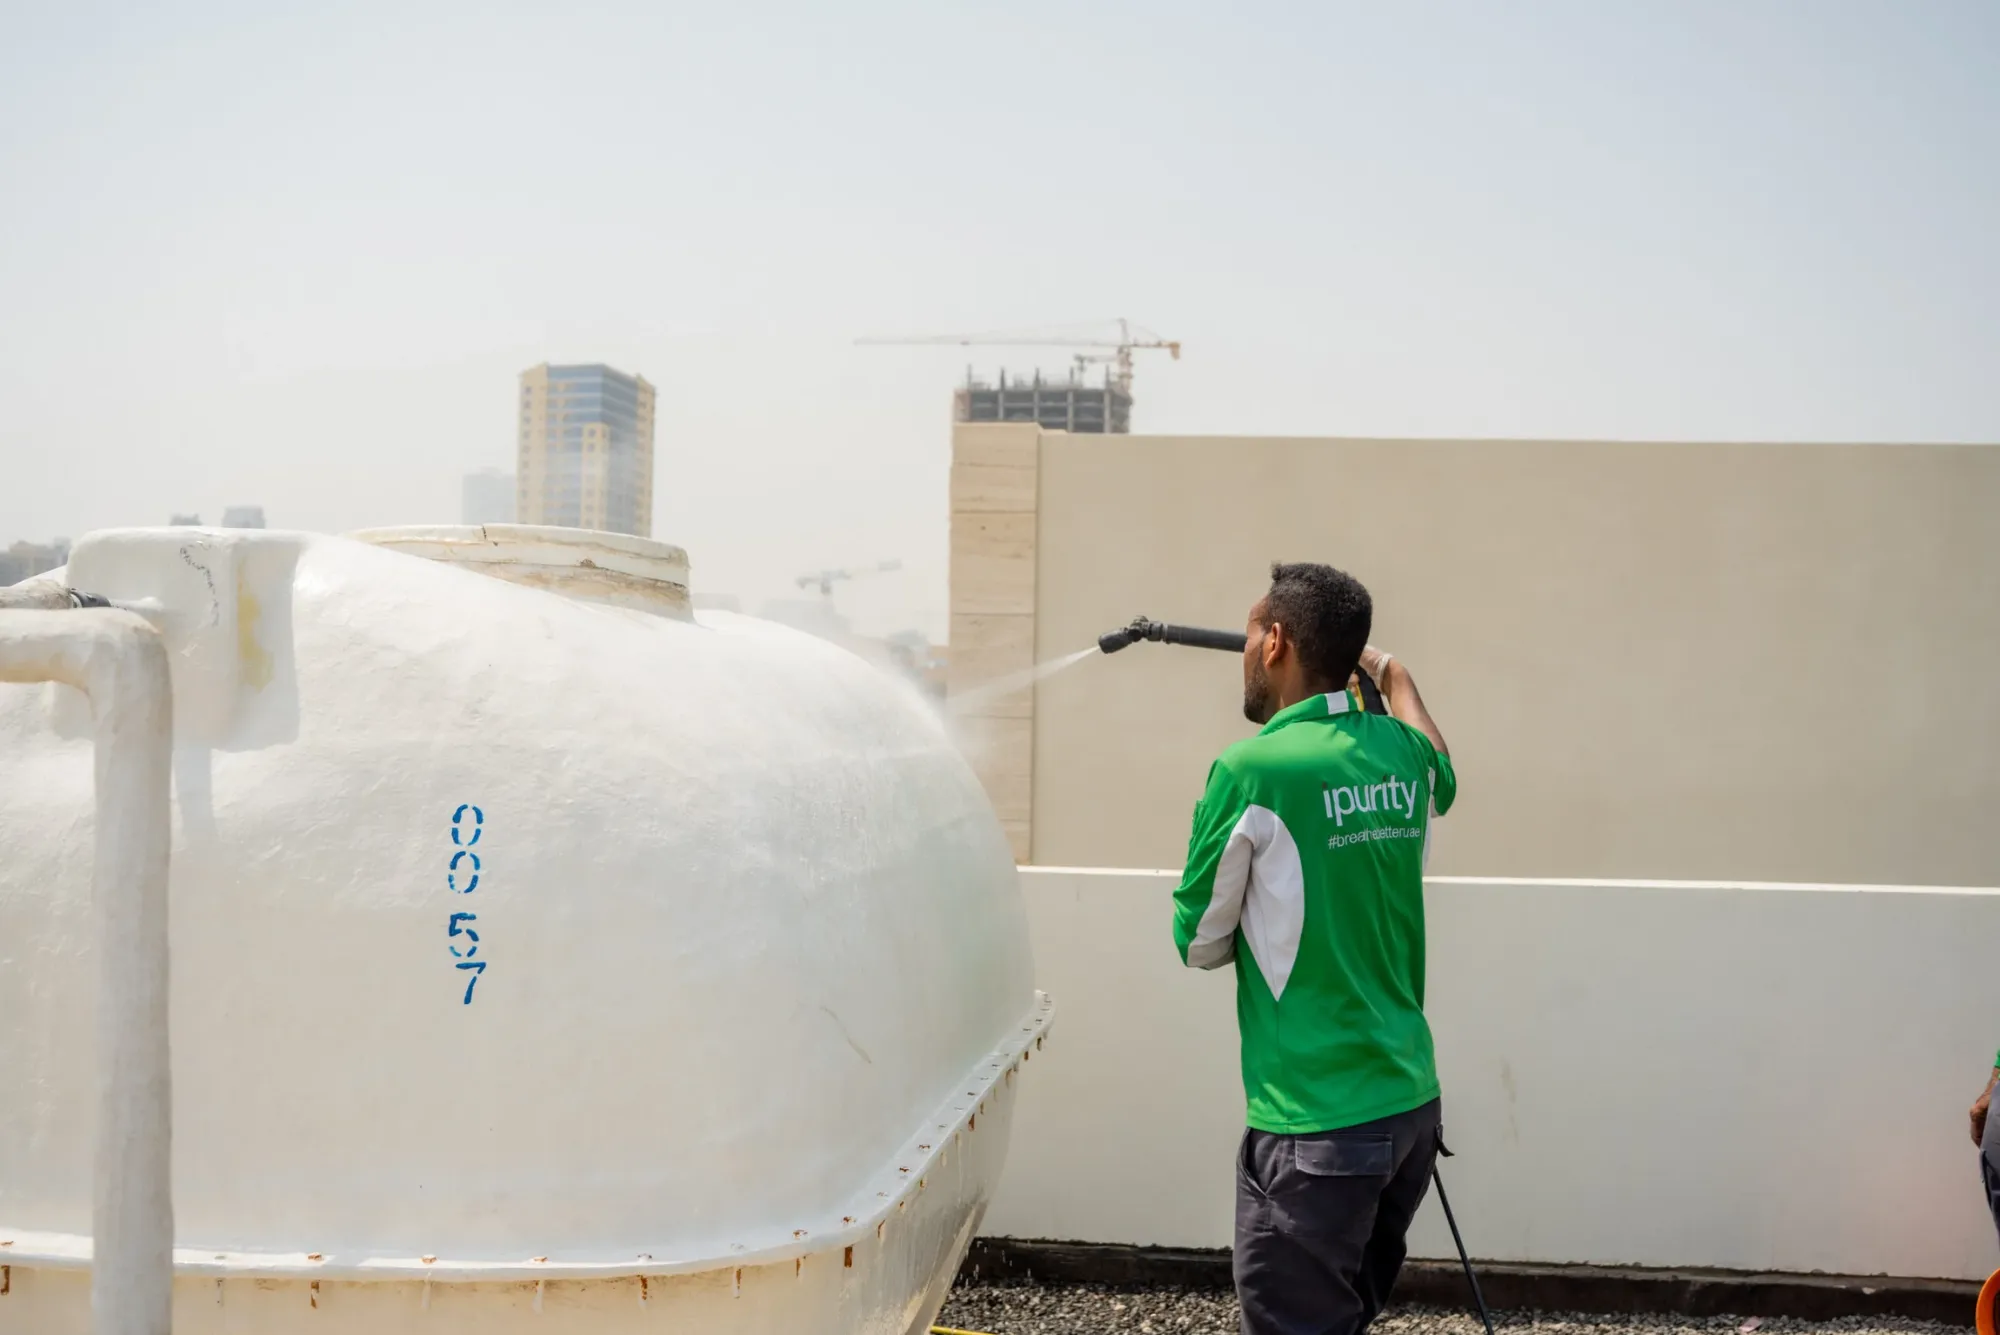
(1162, 633)
(1112, 641)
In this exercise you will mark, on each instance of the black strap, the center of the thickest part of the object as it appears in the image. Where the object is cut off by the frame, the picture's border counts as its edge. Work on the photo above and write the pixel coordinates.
(1371, 698)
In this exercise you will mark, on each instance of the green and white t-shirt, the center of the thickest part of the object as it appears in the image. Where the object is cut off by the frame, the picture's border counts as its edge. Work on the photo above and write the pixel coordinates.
(1306, 868)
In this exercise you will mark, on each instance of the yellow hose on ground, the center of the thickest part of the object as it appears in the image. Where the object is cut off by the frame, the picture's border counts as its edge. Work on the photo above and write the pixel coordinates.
(947, 1330)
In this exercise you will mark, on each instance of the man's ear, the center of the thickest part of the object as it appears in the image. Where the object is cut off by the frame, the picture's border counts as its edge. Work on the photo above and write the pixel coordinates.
(1274, 643)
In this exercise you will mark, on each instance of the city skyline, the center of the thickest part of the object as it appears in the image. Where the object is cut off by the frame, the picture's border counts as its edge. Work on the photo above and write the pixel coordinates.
(1702, 221)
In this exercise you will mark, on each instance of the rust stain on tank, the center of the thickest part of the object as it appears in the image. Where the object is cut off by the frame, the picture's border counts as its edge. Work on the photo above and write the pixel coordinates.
(254, 658)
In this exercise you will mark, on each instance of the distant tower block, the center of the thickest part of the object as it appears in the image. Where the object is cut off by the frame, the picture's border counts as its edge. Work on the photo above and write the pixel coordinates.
(487, 498)
(243, 516)
(1053, 405)
(586, 449)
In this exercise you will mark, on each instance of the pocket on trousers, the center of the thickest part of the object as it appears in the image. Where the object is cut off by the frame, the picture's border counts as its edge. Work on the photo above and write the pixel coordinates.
(1348, 1156)
(1329, 1186)
(1246, 1168)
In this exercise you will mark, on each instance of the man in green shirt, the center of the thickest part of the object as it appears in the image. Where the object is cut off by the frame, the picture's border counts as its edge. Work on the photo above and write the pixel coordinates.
(1305, 869)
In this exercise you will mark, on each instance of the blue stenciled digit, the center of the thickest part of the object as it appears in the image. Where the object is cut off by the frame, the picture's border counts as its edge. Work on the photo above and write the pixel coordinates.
(453, 929)
(458, 830)
(461, 876)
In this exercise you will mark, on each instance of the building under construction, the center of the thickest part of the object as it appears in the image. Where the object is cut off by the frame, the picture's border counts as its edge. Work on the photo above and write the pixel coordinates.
(1054, 405)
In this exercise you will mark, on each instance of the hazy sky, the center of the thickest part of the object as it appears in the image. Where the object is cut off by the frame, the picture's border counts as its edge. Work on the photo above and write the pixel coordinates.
(297, 258)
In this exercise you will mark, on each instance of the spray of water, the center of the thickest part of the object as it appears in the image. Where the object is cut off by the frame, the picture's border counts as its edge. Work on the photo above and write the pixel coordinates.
(1001, 687)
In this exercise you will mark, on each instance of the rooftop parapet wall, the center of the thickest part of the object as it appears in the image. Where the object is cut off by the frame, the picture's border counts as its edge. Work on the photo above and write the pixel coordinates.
(994, 494)
(1760, 1078)
(1651, 660)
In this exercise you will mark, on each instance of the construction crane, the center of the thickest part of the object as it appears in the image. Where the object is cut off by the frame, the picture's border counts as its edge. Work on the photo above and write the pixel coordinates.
(1128, 339)
(824, 580)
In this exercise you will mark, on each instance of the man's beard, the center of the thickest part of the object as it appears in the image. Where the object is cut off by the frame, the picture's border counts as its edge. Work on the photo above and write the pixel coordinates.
(1257, 696)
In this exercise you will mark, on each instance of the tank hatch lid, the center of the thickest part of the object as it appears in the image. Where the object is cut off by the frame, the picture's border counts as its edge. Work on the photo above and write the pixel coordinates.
(614, 568)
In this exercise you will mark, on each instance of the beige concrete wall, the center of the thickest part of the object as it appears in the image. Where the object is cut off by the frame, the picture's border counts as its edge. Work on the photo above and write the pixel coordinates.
(1758, 662)
(1662, 1075)
(994, 490)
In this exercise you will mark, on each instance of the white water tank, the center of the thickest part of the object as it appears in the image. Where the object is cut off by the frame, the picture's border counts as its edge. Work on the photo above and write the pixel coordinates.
(541, 955)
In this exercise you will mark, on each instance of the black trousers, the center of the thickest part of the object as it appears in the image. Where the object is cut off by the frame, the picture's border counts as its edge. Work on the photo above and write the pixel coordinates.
(1320, 1221)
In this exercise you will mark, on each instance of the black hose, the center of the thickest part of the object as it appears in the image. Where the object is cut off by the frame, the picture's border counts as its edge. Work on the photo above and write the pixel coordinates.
(1478, 1298)
(47, 595)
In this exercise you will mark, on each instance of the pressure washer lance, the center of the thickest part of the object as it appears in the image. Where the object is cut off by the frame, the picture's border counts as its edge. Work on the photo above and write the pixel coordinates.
(1200, 637)
(1371, 701)
(1162, 633)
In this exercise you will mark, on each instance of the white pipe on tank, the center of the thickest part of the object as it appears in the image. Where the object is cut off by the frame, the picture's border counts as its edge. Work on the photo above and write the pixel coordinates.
(118, 660)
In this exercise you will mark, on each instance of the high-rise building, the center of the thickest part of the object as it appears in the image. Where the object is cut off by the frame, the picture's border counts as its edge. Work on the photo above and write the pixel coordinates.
(586, 456)
(488, 497)
(1054, 405)
(243, 516)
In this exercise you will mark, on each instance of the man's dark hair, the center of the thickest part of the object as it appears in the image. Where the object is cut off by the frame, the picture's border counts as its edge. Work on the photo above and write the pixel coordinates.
(1327, 613)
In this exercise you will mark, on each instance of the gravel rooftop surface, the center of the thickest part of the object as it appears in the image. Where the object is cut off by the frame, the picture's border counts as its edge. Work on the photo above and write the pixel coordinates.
(1088, 1309)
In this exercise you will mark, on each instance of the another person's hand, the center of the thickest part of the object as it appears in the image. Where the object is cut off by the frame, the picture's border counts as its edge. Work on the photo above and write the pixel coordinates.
(1375, 662)
(1979, 1109)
